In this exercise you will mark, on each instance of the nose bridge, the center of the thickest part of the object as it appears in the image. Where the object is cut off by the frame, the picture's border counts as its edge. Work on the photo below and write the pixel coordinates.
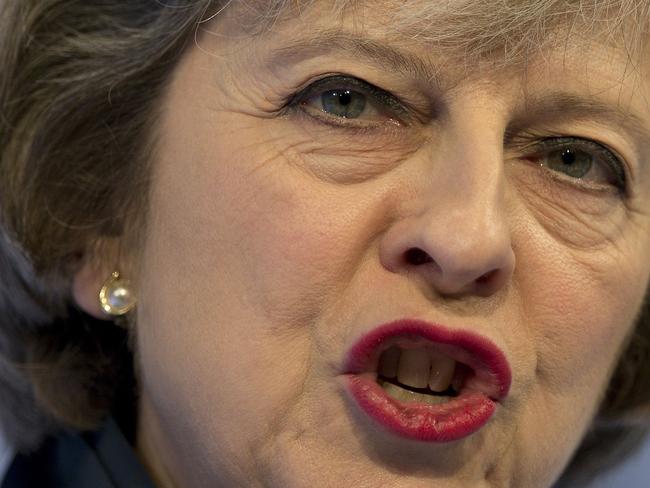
(466, 224)
(468, 177)
(465, 183)
(457, 237)
(469, 155)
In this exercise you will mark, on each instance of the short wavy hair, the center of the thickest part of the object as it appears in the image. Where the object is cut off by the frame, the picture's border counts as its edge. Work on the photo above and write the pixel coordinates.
(79, 87)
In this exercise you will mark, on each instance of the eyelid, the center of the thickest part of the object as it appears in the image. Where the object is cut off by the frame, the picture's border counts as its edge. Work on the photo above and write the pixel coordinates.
(614, 161)
(384, 97)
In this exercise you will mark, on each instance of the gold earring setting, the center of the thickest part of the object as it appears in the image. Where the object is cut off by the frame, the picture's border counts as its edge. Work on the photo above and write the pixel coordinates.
(116, 296)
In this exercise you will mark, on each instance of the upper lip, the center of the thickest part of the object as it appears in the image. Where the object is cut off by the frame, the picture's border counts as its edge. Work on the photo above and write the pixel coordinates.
(492, 373)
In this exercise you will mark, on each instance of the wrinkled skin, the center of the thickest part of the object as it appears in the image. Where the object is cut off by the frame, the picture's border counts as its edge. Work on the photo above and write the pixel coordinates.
(277, 238)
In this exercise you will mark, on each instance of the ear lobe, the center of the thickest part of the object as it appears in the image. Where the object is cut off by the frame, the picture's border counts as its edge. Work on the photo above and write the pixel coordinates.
(85, 290)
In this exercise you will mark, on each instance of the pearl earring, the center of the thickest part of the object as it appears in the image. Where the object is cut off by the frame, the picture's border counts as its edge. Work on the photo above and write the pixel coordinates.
(116, 297)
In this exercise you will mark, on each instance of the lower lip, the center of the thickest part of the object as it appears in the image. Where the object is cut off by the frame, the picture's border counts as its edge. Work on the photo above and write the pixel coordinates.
(451, 421)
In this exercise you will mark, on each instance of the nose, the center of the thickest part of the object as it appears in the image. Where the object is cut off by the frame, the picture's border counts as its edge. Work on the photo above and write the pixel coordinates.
(456, 235)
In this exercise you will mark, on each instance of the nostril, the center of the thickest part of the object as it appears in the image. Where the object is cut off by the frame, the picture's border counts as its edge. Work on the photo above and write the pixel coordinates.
(487, 277)
(417, 256)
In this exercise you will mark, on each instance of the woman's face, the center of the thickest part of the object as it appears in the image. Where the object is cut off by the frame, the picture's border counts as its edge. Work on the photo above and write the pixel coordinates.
(308, 194)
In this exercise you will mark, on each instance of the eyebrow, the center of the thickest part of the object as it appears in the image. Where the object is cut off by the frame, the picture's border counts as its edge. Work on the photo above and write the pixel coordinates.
(388, 57)
(554, 106)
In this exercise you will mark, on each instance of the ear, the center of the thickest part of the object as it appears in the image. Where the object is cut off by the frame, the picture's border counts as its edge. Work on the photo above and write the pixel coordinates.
(86, 284)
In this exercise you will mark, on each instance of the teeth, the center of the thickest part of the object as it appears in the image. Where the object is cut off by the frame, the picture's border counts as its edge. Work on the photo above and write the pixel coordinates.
(411, 397)
(457, 383)
(388, 362)
(442, 372)
(419, 368)
(413, 369)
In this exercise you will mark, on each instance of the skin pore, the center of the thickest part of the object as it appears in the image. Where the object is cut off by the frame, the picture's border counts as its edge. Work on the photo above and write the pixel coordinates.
(278, 231)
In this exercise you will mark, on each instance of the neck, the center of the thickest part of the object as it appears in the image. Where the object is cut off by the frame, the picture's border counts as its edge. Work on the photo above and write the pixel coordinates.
(151, 446)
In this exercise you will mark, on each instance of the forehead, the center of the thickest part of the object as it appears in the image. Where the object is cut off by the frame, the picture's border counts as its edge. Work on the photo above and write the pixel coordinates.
(476, 28)
(446, 42)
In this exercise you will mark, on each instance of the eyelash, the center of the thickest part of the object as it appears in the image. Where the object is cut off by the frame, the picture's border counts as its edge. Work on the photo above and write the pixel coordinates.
(382, 97)
(534, 143)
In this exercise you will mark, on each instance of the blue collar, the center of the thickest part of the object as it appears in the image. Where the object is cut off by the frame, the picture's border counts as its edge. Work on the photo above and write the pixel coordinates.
(100, 459)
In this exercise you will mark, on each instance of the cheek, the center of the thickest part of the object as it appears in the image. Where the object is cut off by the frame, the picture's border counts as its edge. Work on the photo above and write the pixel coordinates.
(578, 306)
(284, 240)
(245, 251)
(582, 271)
(582, 322)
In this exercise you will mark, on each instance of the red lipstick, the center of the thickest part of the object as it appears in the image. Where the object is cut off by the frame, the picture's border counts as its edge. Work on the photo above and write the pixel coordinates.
(486, 381)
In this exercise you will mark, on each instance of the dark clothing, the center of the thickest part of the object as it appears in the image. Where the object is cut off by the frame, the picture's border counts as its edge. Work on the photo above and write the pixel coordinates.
(100, 459)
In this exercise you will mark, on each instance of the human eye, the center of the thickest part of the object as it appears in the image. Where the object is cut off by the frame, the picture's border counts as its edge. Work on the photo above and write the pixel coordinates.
(347, 101)
(586, 162)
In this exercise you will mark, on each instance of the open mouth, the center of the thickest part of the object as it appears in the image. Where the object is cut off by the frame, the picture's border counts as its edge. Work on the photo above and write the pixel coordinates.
(427, 382)
(419, 374)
